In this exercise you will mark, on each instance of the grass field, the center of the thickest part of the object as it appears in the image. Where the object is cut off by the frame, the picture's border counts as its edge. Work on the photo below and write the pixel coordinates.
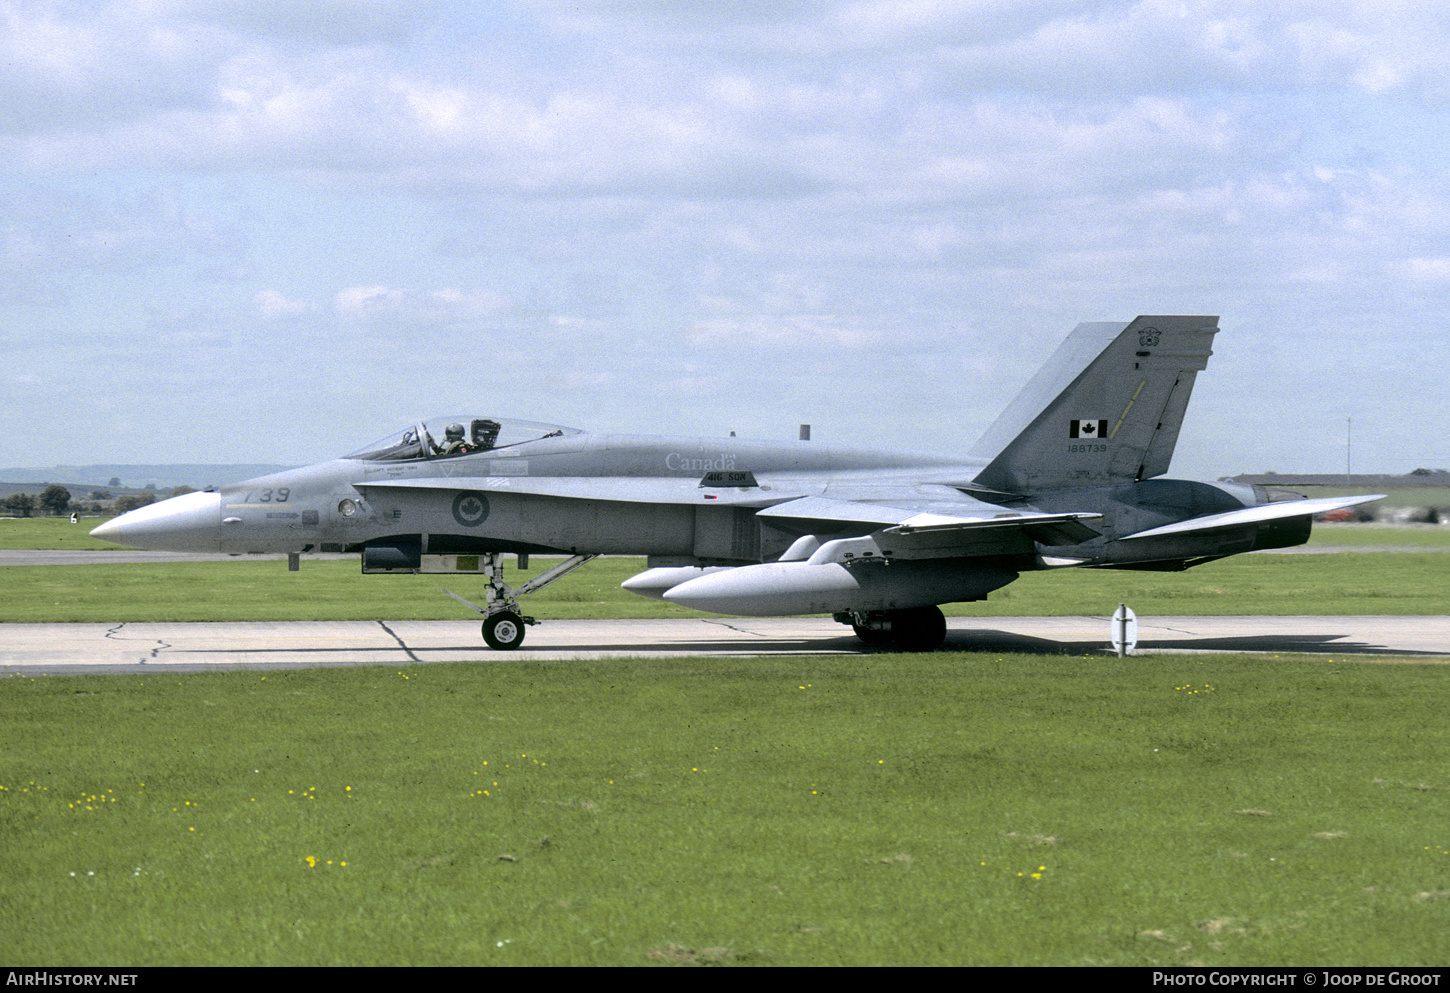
(928, 810)
(942, 809)
(252, 589)
(50, 532)
(1374, 535)
(1369, 583)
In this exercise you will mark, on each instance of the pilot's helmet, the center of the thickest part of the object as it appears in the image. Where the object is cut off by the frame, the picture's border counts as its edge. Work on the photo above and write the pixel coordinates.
(454, 432)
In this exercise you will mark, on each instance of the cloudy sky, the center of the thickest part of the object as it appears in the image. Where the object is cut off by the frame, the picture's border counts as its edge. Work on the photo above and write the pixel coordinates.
(275, 230)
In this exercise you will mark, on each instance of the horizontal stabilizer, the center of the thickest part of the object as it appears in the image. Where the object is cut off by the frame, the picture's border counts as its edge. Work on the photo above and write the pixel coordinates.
(1280, 510)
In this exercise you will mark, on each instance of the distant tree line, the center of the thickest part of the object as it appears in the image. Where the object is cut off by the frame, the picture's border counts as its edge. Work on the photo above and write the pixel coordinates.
(19, 504)
(125, 503)
(55, 501)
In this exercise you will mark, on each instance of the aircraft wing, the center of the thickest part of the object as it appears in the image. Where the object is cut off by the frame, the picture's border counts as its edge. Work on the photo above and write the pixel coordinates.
(1277, 511)
(912, 554)
(941, 528)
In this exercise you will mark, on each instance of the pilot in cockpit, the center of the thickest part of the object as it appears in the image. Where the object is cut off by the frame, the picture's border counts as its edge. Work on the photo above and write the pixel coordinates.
(485, 435)
(453, 443)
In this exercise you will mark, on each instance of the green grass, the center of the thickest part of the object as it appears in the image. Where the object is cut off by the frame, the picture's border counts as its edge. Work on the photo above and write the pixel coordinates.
(1350, 583)
(1347, 583)
(1381, 535)
(50, 532)
(1409, 496)
(249, 589)
(949, 809)
(946, 809)
(264, 590)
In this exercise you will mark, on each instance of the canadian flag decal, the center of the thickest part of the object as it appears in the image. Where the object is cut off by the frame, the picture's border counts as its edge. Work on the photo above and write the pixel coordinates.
(1088, 429)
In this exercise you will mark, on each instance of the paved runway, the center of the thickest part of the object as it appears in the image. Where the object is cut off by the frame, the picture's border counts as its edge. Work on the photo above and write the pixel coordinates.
(35, 649)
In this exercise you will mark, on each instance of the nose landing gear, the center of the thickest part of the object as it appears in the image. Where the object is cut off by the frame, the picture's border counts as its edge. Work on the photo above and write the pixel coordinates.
(504, 623)
(504, 631)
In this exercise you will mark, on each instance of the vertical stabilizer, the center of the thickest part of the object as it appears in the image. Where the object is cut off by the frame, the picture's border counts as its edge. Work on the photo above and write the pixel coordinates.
(1106, 407)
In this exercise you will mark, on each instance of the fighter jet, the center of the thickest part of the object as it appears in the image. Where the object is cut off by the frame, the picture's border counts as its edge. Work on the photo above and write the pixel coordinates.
(1069, 476)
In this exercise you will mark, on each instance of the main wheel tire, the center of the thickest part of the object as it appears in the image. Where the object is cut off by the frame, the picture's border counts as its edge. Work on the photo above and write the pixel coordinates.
(921, 629)
(875, 636)
(504, 631)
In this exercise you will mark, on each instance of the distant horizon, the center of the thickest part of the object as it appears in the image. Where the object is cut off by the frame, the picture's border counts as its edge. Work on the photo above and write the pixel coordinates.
(162, 475)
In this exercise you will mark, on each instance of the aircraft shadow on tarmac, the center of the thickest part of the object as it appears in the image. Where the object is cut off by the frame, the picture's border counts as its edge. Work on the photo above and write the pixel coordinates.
(968, 641)
(1311, 644)
(972, 642)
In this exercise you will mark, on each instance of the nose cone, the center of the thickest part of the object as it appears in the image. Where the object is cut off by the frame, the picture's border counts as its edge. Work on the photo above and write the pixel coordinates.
(191, 522)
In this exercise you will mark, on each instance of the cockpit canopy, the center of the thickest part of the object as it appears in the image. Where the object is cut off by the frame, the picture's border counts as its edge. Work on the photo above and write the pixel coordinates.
(448, 437)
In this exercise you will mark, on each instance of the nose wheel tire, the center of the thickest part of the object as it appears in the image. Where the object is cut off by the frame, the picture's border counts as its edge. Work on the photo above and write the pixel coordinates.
(504, 631)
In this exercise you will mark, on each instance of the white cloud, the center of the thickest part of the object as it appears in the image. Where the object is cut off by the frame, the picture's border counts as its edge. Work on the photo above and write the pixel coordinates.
(1435, 270)
(356, 300)
(797, 332)
(272, 304)
(469, 301)
(634, 199)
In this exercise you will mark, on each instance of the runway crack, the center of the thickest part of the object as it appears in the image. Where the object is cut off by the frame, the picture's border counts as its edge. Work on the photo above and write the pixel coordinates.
(1164, 627)
(161, 646)
(401, 643)
(733, 627)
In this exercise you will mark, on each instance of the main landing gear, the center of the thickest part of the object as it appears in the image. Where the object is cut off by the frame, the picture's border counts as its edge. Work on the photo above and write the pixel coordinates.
(504, 623)
(919, 629)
